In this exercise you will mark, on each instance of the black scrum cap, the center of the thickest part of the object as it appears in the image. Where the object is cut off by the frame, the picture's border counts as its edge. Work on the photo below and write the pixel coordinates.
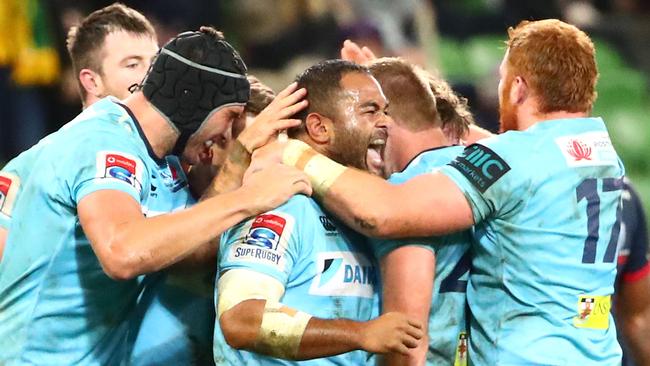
(193, 76)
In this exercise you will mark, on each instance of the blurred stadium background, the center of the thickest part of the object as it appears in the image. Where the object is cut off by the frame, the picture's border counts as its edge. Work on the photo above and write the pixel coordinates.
(463, 39)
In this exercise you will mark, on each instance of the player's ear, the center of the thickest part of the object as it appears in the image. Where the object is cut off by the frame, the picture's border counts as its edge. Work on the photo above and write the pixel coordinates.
(91, 82)
(519, 91)
(318, 127)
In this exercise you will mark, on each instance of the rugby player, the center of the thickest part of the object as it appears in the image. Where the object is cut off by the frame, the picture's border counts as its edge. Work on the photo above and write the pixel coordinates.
(294, 283)
(632, 300)
(111, 49)
(424, 277)
(175, 314)
(82, 237)
(543, 197)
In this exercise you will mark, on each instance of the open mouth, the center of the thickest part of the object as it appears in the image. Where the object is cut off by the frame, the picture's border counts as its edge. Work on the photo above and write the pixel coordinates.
(375, 152)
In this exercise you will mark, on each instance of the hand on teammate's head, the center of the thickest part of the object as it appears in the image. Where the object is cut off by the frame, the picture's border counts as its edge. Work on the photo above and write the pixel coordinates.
(274, 118)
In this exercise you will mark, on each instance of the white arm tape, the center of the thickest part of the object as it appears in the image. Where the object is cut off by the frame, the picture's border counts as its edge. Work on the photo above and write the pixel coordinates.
(238, 285)
(282, 327)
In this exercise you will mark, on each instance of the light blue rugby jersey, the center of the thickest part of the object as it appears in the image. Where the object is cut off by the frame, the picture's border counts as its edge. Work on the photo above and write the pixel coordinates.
(325, 267)
(12, 176)
(175, 320)
(175, 314)
(545, 201)
(447, 319)
(57, 306)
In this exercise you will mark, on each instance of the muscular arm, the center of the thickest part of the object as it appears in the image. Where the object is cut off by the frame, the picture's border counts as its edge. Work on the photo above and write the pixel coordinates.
(429, 205)
(228, 179)
(248, 323)
(633, 313)
(128, 244)
(322, 337)
(407, 275)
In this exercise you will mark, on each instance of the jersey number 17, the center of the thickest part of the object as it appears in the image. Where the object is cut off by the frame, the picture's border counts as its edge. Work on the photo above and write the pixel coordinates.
(588, 189)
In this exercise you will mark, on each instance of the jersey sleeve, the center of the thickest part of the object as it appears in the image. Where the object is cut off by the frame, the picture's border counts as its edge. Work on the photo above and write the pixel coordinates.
(381, 247)
(109, 162)
(637, 266)
(483, 173)
(9, 190)
(269, 243)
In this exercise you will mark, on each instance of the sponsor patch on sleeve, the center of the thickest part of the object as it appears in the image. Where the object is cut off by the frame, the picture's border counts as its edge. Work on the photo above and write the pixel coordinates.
(121, 167)
(9, 186)
(266, 240)
(481, 166)
(587, 149)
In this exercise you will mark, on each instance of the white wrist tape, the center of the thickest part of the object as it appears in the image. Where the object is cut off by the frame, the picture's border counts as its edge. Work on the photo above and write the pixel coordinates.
(322, 171)
(282, 327)
(281, 330)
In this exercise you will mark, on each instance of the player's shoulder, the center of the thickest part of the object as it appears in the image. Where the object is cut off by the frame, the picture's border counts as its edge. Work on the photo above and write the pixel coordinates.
(504, 144)
(18, 162)
(104, 119)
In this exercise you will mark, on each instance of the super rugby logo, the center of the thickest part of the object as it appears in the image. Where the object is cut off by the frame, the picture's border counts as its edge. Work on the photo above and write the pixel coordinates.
(265, 241)
(9, 185)
(266, 231)
(120, 166)
(344, 274)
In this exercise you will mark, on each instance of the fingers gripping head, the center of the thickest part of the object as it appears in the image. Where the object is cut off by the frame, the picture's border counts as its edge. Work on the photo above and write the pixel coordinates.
(194, 75)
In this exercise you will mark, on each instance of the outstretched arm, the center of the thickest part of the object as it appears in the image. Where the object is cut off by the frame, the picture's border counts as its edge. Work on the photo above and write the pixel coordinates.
(428, 205)
(127, 244)
(251, 318)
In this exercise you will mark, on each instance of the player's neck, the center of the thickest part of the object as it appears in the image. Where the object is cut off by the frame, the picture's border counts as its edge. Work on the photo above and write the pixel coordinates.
(530, 115)
(89, 100)
(160, 135)
(420, 141)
